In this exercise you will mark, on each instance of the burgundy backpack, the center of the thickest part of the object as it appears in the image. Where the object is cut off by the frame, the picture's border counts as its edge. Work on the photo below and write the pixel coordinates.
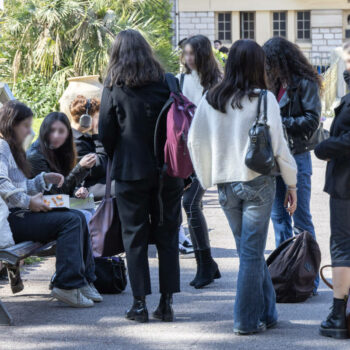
(179, 112)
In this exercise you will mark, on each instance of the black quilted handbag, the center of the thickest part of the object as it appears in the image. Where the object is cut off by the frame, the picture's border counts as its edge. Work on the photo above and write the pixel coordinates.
(260, 157)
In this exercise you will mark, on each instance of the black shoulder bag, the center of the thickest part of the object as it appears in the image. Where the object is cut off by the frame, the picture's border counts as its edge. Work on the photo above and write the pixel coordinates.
(260, 157)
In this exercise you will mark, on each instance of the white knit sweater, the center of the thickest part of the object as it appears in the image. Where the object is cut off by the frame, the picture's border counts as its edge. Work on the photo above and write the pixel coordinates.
(192, 87)
(218, 142)
(15, 188)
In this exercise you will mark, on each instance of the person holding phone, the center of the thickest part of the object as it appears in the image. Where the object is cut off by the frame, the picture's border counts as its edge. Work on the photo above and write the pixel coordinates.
(85, 117)
(55, 151)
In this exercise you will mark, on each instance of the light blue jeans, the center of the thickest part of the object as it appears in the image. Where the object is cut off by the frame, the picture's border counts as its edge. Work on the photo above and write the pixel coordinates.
(247, 206)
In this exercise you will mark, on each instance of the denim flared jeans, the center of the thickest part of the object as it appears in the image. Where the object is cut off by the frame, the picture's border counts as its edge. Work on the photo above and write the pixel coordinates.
(247, 206)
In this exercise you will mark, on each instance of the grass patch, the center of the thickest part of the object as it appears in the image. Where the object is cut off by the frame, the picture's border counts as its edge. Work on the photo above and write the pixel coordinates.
(32, 260)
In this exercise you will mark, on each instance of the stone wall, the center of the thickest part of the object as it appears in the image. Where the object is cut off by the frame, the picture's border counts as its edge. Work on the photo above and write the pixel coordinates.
(326, 39)
(192, 23)
(327, 31)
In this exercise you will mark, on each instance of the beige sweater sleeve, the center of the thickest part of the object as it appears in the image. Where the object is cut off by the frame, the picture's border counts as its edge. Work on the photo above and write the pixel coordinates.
(284, 158)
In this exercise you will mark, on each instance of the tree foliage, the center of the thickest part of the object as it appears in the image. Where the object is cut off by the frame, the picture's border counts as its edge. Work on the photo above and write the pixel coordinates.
(51, 40)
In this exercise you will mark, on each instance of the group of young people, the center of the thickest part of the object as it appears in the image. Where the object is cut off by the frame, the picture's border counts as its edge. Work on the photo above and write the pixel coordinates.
(69, 159)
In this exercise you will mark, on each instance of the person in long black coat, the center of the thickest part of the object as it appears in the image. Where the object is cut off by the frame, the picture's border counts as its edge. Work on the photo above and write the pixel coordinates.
(135, 92)
(336, 151)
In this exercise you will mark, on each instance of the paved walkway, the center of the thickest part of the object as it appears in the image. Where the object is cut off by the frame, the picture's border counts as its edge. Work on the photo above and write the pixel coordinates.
(204, 317)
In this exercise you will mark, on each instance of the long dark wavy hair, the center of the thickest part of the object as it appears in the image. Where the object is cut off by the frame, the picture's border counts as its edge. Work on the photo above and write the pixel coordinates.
(286, 64)
(244, 72)
(206, 63)
(63, 159)
(132, 62)
(11, 114)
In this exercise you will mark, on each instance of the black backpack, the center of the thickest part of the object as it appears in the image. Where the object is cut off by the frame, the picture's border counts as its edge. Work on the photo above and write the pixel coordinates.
(293, 268)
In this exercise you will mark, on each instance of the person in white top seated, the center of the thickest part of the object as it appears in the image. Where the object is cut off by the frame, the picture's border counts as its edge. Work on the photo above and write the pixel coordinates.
(218, 142)
(202, 73)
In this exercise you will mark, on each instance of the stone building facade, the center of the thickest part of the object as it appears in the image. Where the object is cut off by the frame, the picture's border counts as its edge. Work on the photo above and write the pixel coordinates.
(316, 26)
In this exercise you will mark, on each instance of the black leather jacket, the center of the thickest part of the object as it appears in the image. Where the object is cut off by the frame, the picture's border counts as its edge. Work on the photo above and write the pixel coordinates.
(301, 111)
(39, 164)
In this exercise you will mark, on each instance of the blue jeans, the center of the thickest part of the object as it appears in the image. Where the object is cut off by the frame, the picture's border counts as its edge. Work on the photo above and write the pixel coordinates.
(302, 219)
(247, 206)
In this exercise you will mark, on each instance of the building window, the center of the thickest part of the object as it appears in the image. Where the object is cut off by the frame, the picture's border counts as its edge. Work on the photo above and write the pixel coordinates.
(304, 25)
(248, 25)
(224, 26)
(279, 24)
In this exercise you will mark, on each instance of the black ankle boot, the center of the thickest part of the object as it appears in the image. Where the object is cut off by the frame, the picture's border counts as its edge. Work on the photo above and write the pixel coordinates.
(138, 312)
(165, 310)
(335, 326)
(208, 269)
(194, 281)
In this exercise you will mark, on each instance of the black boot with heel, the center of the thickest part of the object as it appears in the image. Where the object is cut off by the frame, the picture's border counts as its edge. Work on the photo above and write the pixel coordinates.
(335, 326)
(138, 312)
(194, 281)
(208, 269)
(165, 310)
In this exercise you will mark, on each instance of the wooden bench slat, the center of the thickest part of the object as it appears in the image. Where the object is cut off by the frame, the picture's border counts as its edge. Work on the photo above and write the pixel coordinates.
(22, 250)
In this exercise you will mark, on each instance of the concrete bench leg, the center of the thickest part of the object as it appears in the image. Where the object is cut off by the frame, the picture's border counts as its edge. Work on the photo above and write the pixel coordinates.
(5, 317)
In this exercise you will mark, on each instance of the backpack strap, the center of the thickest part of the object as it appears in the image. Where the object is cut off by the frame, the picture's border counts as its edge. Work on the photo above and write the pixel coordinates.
(173, 83)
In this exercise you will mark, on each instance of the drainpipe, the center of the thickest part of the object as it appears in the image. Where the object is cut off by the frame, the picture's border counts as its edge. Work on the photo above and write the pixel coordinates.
(177, 33)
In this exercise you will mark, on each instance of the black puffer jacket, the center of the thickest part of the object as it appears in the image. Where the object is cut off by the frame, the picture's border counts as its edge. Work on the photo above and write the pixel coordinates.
(301, 112)
(39, 164)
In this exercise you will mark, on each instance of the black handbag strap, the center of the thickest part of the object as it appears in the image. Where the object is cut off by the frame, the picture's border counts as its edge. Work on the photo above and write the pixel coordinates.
(262, 96)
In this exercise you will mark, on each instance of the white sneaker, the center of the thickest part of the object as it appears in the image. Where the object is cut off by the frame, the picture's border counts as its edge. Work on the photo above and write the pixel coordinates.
(90, 292)
(185, 252)
(72, 297)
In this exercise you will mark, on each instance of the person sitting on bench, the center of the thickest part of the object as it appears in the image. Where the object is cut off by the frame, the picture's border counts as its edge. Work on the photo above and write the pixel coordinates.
(31, 219)
(54, 151)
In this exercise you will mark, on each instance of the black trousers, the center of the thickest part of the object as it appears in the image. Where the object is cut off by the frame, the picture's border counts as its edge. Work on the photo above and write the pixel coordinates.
(192, 203)
(340, 232)
(75, 265)
(139, 214)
